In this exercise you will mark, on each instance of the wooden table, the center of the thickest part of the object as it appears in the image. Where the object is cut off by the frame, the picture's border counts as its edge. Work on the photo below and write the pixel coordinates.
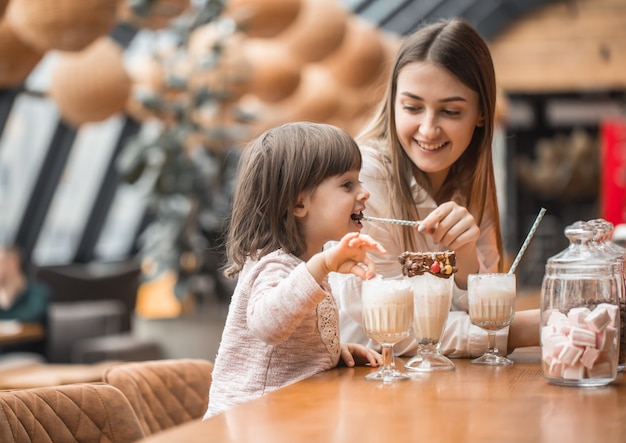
(469, 404)
(12, 333)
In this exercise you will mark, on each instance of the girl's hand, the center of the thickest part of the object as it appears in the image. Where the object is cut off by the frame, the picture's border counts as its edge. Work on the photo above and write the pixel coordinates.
(451, 225)
(350, 255)
(352, 353)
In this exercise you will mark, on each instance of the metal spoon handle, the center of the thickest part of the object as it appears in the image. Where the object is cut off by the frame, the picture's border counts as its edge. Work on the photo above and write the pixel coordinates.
(392, 221)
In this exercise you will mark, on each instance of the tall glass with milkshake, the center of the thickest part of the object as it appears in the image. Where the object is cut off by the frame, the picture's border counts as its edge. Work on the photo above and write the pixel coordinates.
(491, 307)
(430, 274)
(387, 307)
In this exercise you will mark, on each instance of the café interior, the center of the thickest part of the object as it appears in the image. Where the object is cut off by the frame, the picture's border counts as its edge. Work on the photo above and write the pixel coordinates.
(121, 125)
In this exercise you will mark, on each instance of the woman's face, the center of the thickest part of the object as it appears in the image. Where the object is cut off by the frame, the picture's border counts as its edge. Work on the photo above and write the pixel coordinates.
(436, 115)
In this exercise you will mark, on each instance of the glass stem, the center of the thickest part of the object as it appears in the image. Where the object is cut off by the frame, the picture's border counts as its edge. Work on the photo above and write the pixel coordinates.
(492, 343)
(388, 360)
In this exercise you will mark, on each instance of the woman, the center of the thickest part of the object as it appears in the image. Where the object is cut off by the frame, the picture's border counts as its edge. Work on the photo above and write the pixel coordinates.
(427, 156)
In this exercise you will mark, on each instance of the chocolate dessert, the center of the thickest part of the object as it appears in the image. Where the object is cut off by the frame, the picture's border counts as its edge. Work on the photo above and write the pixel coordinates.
(440, 264)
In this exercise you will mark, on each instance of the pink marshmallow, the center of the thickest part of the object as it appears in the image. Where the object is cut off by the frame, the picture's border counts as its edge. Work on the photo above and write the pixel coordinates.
(589, 357)
(606, 339)
(574, 372)
(602, 369)
(556, 368)
(552, 342)
(582, 337)
(598, 320)
(613, 310)
(570, 354)
(576, 316)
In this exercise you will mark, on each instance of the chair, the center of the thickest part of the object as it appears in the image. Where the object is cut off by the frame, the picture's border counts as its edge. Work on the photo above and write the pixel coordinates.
(163, 393)
(82, 412)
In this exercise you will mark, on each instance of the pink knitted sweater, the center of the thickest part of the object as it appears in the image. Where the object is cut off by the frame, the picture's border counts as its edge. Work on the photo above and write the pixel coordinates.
(282, 326)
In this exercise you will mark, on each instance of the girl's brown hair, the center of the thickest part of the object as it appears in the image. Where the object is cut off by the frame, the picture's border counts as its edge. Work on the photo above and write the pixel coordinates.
(273, 171)
(457, 47)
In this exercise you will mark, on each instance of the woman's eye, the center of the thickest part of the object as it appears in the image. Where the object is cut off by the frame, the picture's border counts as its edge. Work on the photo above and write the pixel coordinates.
(451, 113)
(410, 108)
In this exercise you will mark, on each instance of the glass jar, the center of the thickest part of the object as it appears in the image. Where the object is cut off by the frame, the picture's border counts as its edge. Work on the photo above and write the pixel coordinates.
(580, 313)
(603, 231)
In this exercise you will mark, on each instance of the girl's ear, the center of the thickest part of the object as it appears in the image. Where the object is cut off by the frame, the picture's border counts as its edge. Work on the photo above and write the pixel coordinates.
(300, 208)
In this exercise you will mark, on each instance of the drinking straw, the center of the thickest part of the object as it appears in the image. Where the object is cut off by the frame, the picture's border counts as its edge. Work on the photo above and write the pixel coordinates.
(529, 237)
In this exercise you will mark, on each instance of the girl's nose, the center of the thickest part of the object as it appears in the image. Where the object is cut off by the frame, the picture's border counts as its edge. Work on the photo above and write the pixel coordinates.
(364, 194)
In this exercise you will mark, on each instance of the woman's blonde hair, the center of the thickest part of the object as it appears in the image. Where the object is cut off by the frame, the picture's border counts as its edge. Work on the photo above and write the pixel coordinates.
(457, 47)
(273, 171)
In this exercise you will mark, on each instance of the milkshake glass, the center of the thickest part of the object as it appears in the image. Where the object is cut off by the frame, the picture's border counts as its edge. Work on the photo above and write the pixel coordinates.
(387, 309)
(491, 307)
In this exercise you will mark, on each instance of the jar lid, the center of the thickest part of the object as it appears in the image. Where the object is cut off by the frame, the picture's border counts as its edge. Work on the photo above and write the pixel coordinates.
(581, 249)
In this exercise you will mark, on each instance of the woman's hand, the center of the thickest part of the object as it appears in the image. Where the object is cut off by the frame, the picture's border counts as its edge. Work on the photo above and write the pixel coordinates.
(452, 226)
(354, 354)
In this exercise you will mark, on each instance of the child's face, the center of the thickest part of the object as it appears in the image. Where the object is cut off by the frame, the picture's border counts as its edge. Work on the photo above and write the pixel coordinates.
(326, 212)
(436, 115)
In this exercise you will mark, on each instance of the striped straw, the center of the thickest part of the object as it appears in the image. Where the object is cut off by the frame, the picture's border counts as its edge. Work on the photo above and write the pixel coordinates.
(392, 221)
(529, 237)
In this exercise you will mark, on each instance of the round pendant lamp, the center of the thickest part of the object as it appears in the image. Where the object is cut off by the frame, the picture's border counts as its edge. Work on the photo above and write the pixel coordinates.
(17, 60)
(263, 18)
(317, 31)
(361, 56)
(91, 85)
(274, 71)
(65, 25)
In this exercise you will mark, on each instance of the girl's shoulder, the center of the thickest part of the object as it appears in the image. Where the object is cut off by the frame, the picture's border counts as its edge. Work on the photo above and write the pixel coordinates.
(275, 258)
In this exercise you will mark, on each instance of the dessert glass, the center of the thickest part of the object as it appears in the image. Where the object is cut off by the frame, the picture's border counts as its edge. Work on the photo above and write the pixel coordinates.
(432, 297)
(491, 307)
(387, 307)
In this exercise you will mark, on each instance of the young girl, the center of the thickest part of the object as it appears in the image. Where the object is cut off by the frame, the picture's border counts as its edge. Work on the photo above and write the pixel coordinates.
(427, 156)
(298, 188)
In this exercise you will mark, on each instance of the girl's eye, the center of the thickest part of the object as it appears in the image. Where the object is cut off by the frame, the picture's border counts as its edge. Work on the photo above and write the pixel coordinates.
(347, 185)
(451, 113)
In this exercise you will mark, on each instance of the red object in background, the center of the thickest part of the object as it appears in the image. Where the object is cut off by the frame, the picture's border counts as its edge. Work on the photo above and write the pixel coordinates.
(613, 171)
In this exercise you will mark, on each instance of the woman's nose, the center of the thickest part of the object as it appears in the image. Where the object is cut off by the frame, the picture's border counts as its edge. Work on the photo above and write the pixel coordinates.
(429, 127)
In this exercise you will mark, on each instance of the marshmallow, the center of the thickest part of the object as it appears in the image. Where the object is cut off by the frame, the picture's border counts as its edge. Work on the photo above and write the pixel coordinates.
(613, 310)
(589, 357)
(574, 372)
(552, 342)
(602, 369)
(570, 354)
(582, 337)
(598, 319)
(605, 340)
(556, 367)
(576, 316)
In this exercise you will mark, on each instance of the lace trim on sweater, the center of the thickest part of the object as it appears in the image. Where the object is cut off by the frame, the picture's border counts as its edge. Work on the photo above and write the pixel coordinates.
(328, 324)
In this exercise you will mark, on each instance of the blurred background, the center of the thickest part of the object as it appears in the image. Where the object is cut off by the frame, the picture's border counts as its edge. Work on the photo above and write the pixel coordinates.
(121, 123)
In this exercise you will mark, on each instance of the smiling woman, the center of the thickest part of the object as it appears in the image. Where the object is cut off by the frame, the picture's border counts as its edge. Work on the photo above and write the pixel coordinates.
(427, 157)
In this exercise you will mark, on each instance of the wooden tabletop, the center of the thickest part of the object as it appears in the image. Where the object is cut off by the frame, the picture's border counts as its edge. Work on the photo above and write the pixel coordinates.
(12, 332)
(469, 404)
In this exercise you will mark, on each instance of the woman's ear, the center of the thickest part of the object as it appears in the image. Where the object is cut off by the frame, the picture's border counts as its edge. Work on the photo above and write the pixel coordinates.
(481, 120)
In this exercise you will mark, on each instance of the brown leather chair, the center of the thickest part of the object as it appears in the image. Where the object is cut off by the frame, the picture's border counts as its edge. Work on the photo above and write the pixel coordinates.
(164, 393)
(82, 412)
